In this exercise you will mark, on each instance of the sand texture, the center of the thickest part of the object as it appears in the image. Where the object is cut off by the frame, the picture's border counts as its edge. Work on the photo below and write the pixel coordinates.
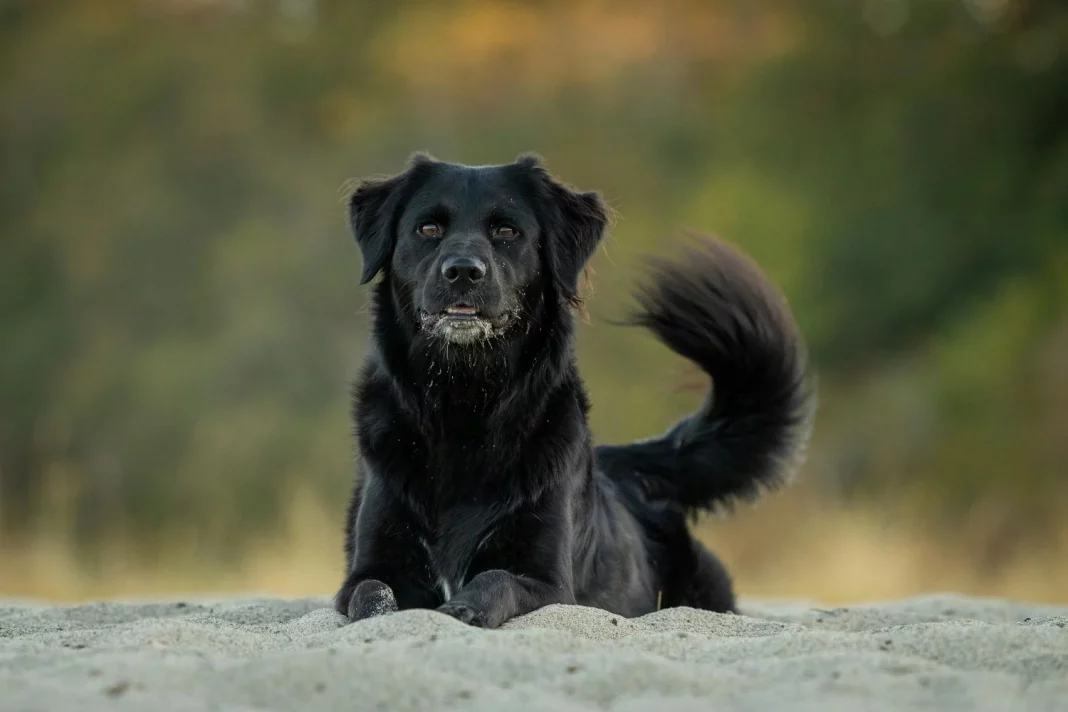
(941, 653)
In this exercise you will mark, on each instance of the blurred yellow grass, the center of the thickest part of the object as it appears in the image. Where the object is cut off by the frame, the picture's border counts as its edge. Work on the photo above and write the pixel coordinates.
(791, 545)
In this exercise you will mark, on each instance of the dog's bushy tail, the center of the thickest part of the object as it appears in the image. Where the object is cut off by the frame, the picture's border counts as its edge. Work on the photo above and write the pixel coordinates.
(717, 309)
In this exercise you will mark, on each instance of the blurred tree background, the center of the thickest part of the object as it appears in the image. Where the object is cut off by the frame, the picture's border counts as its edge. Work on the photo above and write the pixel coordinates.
(180, 316)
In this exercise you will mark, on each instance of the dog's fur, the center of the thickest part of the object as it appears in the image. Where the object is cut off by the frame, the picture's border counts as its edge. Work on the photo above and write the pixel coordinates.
(481, 494)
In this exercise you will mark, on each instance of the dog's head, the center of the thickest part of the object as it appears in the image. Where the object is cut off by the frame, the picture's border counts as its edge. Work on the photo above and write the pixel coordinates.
(469, 249)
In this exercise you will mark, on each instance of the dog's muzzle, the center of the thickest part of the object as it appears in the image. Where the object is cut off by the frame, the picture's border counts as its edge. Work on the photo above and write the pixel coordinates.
(464, 323)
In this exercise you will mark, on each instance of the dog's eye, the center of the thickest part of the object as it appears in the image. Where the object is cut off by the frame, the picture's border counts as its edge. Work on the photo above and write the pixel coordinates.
(505, 232)
(429, 229)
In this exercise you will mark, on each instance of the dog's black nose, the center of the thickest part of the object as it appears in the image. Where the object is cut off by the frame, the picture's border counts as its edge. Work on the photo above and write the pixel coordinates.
(463, 268)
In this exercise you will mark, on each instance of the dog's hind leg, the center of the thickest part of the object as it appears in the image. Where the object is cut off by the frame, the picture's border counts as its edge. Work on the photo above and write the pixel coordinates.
(699, 580)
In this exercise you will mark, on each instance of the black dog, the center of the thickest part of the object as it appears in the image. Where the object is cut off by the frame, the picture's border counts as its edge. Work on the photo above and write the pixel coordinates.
(481, 493)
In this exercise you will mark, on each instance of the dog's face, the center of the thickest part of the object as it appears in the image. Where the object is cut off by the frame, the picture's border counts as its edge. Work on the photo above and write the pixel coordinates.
(466, 248)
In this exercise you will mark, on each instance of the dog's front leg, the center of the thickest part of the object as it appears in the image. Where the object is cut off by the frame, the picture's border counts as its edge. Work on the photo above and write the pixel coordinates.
(493, 597)
(366, 594)
(525, 565)
(388, 562)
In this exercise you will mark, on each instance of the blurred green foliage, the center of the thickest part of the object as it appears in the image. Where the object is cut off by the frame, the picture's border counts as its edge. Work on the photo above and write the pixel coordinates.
(179, 310)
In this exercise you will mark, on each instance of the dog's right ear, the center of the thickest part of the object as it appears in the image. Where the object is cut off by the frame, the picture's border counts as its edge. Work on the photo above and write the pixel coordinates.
(372, 215)
(370, 218)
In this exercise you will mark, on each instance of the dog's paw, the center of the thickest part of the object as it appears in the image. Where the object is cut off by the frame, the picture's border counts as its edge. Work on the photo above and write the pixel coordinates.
(464, 614)
(371, 598)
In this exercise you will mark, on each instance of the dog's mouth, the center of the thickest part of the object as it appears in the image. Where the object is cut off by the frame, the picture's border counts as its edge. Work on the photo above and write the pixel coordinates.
(461, 312)
(465, 321)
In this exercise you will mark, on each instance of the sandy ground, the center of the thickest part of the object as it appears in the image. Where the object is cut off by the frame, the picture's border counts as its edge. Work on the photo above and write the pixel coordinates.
(937, 653)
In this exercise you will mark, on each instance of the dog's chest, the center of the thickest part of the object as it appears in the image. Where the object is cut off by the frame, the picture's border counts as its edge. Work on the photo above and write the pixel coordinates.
(453, 545)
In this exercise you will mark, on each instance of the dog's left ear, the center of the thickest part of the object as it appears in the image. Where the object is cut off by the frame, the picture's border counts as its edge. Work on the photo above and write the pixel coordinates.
(372, 213)
(576, 226)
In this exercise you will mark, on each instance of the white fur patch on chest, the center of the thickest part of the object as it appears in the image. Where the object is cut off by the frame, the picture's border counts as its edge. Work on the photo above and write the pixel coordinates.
(444, 585)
